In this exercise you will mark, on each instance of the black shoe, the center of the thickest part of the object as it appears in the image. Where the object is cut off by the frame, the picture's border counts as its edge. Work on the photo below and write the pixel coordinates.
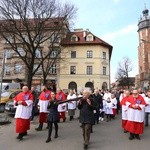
(81, 126)
(125, 131)
(38, 129)
(25, 134)
(48, 140)
(85, 146)
(131, 136)
(146, 125)
(20, 136)
(137, 137)
(56, 136)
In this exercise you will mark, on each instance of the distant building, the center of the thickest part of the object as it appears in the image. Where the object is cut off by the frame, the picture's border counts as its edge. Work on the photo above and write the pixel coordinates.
(14, 67)
(143, 78)
(124, 83)
(87, 61)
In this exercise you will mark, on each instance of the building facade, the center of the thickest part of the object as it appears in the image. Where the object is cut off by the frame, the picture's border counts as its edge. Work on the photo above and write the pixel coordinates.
(86, 63)
(143, 78)
(15, 69)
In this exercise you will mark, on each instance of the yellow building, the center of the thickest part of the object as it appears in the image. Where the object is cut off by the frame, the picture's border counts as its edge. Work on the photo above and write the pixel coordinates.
(86, 62)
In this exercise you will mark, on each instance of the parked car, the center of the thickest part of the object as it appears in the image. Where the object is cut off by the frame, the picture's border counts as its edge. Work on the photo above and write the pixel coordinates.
(7, 96)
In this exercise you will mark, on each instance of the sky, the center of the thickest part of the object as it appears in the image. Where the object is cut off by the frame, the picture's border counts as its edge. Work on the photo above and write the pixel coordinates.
(114, 21)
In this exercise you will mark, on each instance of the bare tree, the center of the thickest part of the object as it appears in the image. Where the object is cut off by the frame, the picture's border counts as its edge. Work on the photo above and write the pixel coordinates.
(122, 75)
(31, 26)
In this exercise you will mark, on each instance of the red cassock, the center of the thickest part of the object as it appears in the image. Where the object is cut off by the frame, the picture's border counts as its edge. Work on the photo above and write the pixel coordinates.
(23, 111)
(124, 111)
(44, 98)
(135, 123)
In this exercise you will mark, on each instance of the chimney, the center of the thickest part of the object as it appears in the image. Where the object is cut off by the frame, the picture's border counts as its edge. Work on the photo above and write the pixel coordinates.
(78, 30)
(84, 33)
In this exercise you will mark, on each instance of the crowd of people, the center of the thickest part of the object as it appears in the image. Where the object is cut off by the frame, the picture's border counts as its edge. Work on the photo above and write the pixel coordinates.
(94, 107)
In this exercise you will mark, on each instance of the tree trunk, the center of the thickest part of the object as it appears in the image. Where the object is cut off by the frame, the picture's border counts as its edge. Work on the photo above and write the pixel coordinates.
(44, 80)
(29, 77)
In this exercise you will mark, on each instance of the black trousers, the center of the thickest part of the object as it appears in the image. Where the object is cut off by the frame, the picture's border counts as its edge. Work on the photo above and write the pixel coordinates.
(96, 116)
(146, 118)
(50, 127)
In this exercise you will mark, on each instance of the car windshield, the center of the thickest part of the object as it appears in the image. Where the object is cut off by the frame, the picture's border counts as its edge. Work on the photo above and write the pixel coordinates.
(5, 94)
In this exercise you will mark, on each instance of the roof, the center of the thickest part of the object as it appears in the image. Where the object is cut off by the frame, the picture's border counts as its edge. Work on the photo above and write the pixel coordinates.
(35, 23)
(81, 35)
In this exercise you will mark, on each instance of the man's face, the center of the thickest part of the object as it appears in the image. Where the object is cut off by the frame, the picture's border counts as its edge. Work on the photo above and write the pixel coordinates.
(44, 88)
(25, 89)
(86, 94)
(127, 93)
(135, 93)
(58, 90)
(148, 94)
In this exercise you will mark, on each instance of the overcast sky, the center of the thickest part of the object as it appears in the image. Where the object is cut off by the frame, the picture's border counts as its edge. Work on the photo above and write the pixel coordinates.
(114, 21)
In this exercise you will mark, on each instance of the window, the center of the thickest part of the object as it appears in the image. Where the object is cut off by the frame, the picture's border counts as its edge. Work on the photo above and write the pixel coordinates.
(54, 53)
(7, 70)
(39, 71)
(73, 54)
(89, 54)
(104, 70)
(89, 70)
(38, 53)
(104, 55)
(26, 38)
(18, 68)
(9, 53)
(74, 38)
(72, 69)
(52, 69)
(89, 38)
(9, 39)
(20, 51)
(55, 38)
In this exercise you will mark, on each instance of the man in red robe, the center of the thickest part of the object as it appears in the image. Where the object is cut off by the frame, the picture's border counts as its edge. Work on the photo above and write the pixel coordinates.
(124, 109)
(23, 101)
(42, 104)
(61, 107)
(135, 123)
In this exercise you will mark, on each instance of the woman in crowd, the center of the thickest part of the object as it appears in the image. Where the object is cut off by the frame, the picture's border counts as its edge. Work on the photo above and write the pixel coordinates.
(53, 116)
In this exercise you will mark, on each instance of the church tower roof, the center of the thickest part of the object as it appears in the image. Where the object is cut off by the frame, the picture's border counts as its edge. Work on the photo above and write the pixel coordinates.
(144, 21)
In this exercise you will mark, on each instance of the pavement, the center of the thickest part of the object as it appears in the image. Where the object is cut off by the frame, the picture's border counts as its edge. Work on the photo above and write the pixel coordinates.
(105, 136)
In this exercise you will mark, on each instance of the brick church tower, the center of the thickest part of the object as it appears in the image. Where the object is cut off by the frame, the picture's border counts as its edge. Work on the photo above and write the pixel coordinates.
(144, 49)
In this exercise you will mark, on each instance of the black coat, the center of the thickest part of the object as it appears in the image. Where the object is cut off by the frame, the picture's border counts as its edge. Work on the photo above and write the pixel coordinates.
(86, 112)
(99, 100)
(53, 115)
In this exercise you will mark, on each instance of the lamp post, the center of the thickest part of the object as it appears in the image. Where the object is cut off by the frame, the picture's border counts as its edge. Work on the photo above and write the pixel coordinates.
(2, 73)
(3, 117)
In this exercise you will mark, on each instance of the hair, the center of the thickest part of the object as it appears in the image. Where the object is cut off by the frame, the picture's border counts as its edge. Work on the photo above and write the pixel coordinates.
(53, 92)
(87, 90)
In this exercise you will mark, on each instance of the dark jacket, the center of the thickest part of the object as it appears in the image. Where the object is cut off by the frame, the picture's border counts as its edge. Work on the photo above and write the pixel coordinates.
(86, 111)
(98, 99)
(53, 115)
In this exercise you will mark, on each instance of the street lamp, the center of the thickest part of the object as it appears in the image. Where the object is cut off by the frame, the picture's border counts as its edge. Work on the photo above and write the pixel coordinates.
(2, 73)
